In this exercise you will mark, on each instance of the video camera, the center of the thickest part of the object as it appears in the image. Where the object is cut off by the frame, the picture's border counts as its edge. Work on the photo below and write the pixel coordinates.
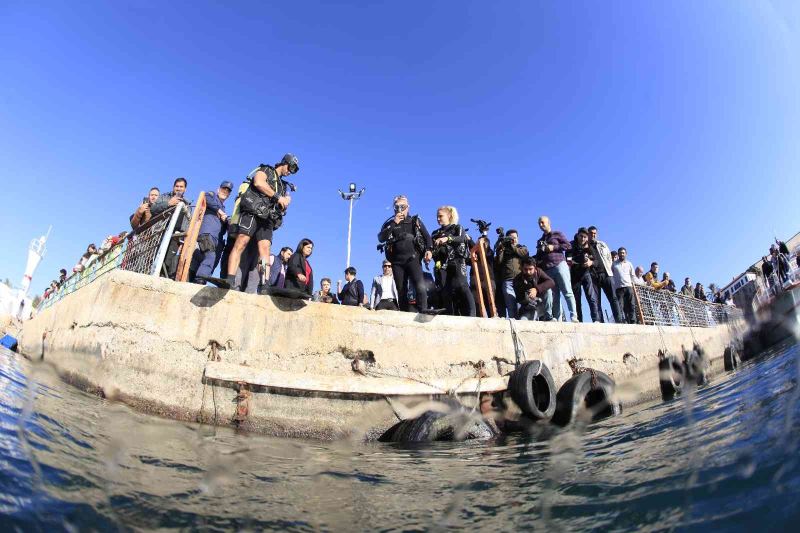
(502, 239)
(483, 226)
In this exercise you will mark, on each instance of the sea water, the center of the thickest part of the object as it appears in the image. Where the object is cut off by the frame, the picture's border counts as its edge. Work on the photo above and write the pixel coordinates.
(722, 458)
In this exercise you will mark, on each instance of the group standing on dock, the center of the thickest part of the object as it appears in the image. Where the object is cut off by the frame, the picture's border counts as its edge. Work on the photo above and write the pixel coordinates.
(422, 271)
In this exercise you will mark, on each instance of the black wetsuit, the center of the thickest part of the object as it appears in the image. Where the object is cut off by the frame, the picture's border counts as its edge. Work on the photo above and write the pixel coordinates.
(451, 257)
(402, 252)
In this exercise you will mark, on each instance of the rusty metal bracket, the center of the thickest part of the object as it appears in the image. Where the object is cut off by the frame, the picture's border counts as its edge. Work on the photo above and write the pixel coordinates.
(242, 404)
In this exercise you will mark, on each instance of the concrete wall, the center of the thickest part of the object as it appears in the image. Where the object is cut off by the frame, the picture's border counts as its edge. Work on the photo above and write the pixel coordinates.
(146, 340)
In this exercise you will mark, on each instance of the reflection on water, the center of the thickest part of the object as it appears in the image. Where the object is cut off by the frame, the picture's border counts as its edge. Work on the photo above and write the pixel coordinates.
(725, 458)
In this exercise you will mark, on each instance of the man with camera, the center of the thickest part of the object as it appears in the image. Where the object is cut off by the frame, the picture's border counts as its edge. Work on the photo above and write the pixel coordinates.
(550, 257)
(532, 289)
(262, 204)
(142, 214)
(406, 241)
(508, 257)
(583, 262)
(603, 276)
(211, 236)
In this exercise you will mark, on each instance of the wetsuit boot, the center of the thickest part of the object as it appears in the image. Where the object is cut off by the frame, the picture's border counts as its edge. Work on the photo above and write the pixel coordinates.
(232, 282)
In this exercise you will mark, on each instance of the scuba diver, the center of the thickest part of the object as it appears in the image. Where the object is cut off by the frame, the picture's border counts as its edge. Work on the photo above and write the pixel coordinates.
(406, 242)
(451, 251)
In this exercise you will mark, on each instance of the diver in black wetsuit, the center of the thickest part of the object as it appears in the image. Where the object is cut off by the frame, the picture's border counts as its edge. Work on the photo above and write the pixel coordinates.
(406, 242)
(451, 250)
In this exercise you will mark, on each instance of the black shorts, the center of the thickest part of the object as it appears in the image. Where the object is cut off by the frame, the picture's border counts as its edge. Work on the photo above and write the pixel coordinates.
(252, 226)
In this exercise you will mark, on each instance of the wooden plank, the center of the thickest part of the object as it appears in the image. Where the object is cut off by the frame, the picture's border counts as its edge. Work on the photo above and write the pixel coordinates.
(190, 241)
(354, 384)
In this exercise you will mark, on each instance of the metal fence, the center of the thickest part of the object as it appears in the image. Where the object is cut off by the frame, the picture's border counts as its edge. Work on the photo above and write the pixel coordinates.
(666, 308)
(142, 250)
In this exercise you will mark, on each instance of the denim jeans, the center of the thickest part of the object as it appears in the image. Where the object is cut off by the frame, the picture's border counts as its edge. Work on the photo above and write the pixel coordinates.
(560, 274)
(510, 298)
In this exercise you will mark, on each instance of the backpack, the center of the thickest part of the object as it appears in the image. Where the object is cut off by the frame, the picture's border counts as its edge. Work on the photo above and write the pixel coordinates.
(253, 202)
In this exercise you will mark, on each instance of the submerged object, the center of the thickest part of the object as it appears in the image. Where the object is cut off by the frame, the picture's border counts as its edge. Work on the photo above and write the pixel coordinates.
(9, 342)
(671, 376)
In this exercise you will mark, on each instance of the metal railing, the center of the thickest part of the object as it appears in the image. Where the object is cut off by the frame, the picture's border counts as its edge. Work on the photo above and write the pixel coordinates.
(665, 308)
(143, 250)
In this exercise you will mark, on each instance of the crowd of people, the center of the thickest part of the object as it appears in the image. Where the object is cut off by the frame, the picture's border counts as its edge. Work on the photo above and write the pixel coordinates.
(422, 271)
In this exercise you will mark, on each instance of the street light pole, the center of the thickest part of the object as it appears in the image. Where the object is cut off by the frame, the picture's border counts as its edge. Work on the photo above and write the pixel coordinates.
(350, 196)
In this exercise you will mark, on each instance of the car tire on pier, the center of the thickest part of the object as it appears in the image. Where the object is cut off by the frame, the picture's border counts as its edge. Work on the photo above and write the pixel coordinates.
(532, 388)
(592, 390)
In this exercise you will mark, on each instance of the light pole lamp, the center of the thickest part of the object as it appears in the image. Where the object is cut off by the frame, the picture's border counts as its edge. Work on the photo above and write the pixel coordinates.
(350, 195)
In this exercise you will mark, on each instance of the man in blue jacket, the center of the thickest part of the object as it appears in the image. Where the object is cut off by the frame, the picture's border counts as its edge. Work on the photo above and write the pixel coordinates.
(550, 257)
(211, 238)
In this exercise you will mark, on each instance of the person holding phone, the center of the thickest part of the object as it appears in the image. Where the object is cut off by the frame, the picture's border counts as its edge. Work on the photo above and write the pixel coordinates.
(142, 214)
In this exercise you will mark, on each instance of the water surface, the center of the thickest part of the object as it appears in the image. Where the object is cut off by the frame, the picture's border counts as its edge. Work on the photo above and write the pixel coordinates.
(725, 458)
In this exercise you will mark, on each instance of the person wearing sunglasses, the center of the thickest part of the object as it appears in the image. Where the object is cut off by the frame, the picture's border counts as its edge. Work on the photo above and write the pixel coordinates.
(384, 290)
(259, 209)
(406, 242)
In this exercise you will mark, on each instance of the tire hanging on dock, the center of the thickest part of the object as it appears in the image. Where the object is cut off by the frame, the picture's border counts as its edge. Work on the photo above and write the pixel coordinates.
(532, 388)
(591, 390)
(731, 358)
(671, 376)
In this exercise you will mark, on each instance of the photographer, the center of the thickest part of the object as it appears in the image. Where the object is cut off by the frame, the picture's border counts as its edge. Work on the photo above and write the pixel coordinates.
(142, 213)
(550, 257)
(406, 242)
(583, 260)
(508, 257)
(450, 254)
(532, 288)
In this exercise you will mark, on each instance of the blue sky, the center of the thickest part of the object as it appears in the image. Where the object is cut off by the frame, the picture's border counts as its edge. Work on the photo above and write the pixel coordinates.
(672, 126)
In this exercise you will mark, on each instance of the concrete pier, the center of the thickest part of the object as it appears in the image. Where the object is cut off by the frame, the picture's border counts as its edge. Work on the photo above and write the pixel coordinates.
(178, 349)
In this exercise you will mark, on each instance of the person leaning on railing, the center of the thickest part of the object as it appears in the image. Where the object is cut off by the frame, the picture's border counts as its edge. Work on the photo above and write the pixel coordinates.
(687, 290)
(652, 282)
(142, 214)
(164, 202)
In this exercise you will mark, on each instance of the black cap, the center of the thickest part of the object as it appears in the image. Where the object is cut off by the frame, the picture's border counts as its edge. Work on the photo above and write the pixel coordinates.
(291, 160)
(226, 185)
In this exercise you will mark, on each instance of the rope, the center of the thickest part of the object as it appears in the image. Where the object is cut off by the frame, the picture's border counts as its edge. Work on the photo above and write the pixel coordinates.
(519, 348)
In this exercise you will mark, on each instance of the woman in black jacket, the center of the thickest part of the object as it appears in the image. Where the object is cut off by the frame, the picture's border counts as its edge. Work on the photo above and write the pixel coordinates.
(299, 274)
(450, 253)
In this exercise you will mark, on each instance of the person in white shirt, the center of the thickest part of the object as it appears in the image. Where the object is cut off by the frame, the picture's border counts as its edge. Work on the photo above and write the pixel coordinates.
(384, 291)
(624, 278)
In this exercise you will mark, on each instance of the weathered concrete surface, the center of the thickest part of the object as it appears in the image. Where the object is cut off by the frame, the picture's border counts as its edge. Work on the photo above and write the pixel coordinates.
(147, 340)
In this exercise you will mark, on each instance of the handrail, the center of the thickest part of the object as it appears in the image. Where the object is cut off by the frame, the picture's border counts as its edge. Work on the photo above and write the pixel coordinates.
(665, 308)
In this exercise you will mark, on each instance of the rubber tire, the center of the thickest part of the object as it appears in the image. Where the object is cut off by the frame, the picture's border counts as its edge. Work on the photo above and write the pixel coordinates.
(532, 388)
(696, 364)
(578, 393)
(731, 358)
(671, 377)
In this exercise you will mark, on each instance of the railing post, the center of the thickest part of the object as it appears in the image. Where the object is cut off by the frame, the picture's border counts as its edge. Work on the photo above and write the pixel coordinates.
(190, 240)
(165, 240)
